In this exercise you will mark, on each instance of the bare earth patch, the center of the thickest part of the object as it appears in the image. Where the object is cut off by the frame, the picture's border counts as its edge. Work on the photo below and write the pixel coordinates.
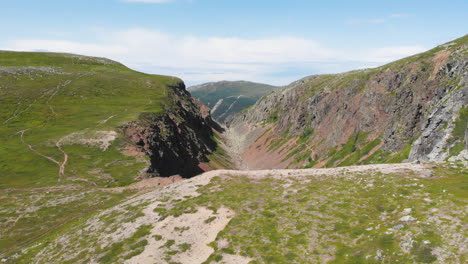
(190, 232)
(103, 139)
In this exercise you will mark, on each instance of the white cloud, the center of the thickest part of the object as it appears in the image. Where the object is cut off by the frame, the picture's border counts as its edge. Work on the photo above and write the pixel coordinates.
(277, 60)
(65, 46)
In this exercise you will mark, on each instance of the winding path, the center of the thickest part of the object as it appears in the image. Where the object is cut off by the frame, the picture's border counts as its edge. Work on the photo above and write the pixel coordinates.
(60, 164)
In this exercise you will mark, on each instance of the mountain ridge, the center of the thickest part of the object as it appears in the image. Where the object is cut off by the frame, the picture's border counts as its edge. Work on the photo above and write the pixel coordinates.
(322, 120)
(225, 98)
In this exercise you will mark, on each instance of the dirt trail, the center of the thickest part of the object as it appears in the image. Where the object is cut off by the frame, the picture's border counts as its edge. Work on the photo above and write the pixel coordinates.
(60, 164)
(102, 122)
(16, 113)
(57, 89)
(423, 170)
(65, 158)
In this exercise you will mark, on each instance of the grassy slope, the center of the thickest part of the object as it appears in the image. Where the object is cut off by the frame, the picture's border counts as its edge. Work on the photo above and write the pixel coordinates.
(358, 147)
(71, 94)
(50, 106)
(346, 217)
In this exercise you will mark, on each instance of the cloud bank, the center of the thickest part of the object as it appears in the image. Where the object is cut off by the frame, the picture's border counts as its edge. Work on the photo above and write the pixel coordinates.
(278, 60)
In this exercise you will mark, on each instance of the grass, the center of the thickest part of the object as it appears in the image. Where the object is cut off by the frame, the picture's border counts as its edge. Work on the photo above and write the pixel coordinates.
(50, 96)
(50, 105)
(348, 148)
(346, 218)
(126, 248)
(360, 153)
(381, 156)
(277, 225)
(458, 133)
(219, 156)
(38, 213)
(273, 117)
(305, 135)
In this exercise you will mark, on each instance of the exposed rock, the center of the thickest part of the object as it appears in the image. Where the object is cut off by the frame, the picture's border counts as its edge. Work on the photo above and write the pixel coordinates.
(433, 144)
(416, 99)
(178, 140)
(407, 218)
(407, 211)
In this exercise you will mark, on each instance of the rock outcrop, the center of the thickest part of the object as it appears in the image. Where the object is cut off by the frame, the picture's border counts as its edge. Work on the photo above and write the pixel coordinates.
(366, 116)
(178, 140)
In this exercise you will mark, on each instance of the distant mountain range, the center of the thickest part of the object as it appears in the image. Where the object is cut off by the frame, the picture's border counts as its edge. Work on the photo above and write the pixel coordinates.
(228, 98)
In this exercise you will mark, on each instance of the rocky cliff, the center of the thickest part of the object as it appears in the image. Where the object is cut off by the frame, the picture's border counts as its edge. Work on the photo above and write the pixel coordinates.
(414, 108)
(71, 118)
(178, 140)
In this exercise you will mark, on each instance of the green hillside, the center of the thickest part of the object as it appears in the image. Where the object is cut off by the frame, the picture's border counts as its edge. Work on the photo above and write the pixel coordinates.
(232, 97)
(59, 103)
(60, 141)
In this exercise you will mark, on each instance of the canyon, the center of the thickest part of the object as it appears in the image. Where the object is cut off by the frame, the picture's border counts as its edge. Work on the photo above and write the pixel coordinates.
(111, 165)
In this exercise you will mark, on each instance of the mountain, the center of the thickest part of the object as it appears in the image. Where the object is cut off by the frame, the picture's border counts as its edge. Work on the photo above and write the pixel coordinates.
(414, 109)
(72, 126)
(228, 98)
(83, 138)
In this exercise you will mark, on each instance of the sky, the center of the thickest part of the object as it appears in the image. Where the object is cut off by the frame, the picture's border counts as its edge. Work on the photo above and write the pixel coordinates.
(269, 41)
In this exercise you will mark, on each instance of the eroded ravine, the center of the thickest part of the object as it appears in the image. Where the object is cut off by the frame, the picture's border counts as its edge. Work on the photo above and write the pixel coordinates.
(234, 143)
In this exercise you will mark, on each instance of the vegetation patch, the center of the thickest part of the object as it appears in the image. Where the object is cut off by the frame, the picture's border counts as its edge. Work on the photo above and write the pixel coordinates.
(458, 133)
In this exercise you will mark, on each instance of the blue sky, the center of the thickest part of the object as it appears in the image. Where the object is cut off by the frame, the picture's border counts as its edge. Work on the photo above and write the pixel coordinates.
(270, 41)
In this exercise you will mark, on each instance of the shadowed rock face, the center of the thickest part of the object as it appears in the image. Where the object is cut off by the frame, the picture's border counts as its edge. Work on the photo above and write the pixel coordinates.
(416, 99)
(178, 140)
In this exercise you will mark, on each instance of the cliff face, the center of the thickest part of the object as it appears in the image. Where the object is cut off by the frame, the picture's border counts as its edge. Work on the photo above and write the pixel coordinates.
(71, 118)
(415, 105)
(178, 140)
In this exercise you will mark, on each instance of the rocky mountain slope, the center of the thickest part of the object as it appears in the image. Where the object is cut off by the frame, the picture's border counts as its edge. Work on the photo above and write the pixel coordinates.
(228, 98)
(399, 213)
(413, 109)
(71, 125)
